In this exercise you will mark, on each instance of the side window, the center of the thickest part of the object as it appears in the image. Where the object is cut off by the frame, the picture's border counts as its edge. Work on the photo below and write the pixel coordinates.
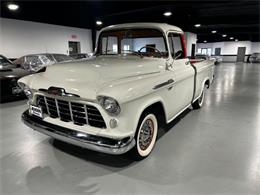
(176, 45)
(33, 60)
(109, 45)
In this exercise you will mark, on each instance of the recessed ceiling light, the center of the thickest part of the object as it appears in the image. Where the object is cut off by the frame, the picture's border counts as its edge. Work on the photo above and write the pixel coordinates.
(205, 41)
(197, 25)
(231, 38)
(236, 40)
(167, 14)
(214, 31)
(224, 35)
(99, 22)
(13, 6)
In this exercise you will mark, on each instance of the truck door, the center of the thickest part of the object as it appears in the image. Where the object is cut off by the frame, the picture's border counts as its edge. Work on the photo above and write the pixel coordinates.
(183, 75)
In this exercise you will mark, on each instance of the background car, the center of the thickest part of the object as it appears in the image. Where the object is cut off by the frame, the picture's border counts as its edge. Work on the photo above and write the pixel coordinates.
(9, 74)
(80, 56)
(202, 56)
(217, 59)
(254, 58)
(35, 62)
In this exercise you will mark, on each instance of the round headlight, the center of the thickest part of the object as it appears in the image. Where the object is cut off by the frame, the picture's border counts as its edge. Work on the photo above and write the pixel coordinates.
(109, 104)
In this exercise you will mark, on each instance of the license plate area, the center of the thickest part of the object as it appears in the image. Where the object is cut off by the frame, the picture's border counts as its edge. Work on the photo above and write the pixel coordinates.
(36, 111)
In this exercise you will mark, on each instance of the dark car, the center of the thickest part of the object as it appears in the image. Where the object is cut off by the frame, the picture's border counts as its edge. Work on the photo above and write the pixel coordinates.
(78, 56)
(35, 62)
(9, 74)
(254, 58)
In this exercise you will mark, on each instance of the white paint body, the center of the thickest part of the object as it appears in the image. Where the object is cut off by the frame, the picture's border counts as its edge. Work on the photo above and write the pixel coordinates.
(128, 79)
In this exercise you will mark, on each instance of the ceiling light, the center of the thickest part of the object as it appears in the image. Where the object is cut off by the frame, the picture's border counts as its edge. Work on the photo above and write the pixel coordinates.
(99, 22)
(12, 6)
(224, 35)
(205, 41)
(236, 40)
(167, 13)
(214, 31)
(231, 38)
(197, 25)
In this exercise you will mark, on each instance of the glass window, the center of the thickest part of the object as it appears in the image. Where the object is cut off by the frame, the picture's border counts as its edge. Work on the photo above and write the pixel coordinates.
(145, 42)
(33, 60)
(204, 51)
(176, 45)
(199, 50)
(209, 51)
(62, 57)
(4, 61)
(45, 60)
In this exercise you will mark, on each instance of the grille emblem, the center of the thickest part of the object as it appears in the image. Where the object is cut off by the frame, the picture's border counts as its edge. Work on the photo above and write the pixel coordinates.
(60, 92)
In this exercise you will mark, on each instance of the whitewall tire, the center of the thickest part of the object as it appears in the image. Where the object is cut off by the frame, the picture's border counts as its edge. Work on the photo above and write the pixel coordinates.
(146, 135)
(200, 101)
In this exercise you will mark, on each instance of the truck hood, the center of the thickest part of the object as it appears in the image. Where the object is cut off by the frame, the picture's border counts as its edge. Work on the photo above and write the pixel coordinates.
(87, 78)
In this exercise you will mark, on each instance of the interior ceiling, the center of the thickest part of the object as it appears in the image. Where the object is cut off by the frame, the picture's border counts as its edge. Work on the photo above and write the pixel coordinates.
(238, 19)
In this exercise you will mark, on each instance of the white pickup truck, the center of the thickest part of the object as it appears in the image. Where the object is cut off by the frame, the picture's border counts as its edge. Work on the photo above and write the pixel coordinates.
(138, 80)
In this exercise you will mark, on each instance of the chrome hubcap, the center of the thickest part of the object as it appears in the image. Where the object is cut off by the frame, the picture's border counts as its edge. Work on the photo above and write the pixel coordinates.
(146, 134)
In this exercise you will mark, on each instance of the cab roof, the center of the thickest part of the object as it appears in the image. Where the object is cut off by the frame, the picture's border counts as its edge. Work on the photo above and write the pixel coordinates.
(160, 26)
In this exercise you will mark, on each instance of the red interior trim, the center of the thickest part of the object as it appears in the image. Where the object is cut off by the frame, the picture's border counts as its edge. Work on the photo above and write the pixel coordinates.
(184, 45)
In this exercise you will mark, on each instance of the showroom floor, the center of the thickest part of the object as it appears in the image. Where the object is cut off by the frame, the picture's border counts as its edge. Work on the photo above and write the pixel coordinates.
(212, 150)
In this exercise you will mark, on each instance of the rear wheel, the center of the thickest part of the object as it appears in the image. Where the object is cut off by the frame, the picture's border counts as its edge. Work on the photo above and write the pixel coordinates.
(145, 137)
(199, 102)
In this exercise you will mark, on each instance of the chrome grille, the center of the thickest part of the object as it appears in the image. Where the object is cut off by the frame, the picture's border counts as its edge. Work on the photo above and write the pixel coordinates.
(78, 113)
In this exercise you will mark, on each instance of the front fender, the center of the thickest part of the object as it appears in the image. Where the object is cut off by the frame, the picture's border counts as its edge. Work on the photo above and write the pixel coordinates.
(131, 111)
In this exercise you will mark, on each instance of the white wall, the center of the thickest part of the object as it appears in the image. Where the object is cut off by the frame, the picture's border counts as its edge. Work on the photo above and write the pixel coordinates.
(255, 47)
(190, 38)
(230, 48)
(18, 38)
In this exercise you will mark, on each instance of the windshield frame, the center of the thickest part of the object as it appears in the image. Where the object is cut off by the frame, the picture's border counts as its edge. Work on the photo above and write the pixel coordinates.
(99, 49)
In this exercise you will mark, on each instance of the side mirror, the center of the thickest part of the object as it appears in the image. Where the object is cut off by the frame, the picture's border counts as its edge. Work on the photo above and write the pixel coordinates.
(178, 54)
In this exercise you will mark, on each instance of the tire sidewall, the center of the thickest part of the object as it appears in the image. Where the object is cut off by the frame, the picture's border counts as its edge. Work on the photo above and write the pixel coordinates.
(145, 153)
(203, 98)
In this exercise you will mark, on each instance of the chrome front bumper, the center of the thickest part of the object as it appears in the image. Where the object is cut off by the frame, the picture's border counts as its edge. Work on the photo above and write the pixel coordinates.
(84, 140)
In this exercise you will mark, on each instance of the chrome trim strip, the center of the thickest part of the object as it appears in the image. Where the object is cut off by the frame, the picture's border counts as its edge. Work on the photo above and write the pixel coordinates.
(86, 113)
(71, 114)
(170, 81)
(57, 107)
(46, 104)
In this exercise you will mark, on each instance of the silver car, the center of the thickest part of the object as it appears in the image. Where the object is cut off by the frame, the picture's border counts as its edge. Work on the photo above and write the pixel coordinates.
(254, 58)
(35, 62)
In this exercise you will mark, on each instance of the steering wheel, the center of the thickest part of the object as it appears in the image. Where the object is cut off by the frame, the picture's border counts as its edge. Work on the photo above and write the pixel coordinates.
(149, 47)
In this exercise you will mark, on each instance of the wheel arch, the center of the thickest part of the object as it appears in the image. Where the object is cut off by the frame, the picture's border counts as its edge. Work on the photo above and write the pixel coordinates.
(157, 108)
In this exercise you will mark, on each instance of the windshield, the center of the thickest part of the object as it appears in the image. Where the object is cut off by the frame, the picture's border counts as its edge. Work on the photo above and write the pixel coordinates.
(4, 61)
(62, 57)
(142, 42)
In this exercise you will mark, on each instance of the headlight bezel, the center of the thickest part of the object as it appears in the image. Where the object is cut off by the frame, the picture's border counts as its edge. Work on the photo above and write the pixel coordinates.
(109, 104)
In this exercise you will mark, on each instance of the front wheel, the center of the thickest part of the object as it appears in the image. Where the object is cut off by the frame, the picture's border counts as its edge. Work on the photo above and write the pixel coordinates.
(146, 135)
(199, 102)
